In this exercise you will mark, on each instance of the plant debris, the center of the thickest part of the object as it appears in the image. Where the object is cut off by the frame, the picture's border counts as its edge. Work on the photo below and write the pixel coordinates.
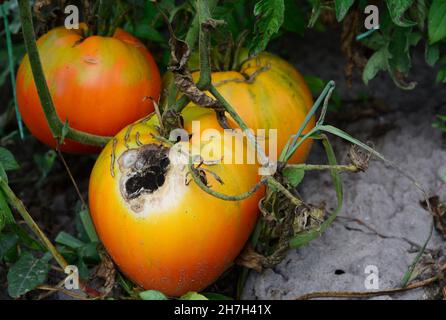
(438, 210)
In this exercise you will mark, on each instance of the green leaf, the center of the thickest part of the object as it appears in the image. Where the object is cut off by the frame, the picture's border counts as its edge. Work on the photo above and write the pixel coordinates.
(294, 176)
(437, 21)
(193, 296)
(216, 297)
(397, 8)
(88, 225)
(441, 75)
(421, 13)
(68, 240)
(26, 239)
(377, 62)
(315, 12)
(376, 41)
(145, 31)
(89, 252)
(408, 275)
(440, 123)
(152, 295)
(304, 238)
(342, 7)
(7, 242)
(270, 16)
(317, 85)
(6, 216)
(349, 138)
(294, 18)
(7, 160)
(84, 273)
(27, 274)
(45, 163)
(432, 54)
(3, 174)
(399, 50)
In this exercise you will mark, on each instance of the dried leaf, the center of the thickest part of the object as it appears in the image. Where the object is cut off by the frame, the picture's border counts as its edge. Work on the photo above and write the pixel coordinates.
(438, 209)
(107, 272)
(251, 259)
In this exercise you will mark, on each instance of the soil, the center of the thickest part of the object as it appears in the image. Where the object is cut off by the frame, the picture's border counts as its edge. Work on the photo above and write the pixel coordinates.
(382, 224)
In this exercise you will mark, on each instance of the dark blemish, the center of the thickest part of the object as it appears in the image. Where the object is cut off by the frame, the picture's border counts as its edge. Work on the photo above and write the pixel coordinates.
(148, 172)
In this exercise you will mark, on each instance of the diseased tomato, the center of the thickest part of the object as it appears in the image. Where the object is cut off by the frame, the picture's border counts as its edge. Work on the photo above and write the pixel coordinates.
(161, 229)
(98, 84)
(269, 93)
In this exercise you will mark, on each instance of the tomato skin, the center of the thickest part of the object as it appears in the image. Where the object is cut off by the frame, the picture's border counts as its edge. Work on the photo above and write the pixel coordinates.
(275, 98)
(98, 84)
(186, 242)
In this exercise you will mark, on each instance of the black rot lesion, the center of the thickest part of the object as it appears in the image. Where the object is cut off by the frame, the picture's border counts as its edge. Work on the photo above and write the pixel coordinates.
(145, 170)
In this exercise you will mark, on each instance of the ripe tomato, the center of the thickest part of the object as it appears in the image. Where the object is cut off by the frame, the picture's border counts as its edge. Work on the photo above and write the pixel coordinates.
(162, 230)
(269, 93)
(98, 84)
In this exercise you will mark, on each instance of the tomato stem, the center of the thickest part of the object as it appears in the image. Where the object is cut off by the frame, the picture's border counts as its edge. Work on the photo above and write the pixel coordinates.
(317, 167)
(219, 195)
(204, 44)
(57, 127)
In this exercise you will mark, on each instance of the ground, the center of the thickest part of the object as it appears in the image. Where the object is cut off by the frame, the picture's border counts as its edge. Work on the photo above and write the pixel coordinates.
(399, 124)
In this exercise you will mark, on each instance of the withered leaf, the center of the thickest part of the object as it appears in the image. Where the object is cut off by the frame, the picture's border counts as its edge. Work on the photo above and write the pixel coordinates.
(438, 210)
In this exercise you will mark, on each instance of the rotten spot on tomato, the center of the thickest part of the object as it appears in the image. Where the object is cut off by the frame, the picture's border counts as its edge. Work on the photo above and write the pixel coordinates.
(146, 170)
(150, 178)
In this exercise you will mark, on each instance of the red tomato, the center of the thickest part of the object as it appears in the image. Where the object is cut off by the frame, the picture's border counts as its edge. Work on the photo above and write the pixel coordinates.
(98, 84)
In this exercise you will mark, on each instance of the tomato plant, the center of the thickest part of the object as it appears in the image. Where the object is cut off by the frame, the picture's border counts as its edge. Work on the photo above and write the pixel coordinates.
(162, 216)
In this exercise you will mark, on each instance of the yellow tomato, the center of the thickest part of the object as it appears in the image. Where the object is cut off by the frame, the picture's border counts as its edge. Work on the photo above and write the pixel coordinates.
(161, 229)
(269, 93)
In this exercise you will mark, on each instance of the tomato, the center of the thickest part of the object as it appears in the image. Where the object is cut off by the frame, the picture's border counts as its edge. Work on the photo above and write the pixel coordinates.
(269, 93)
(161, 229)
(98, 84)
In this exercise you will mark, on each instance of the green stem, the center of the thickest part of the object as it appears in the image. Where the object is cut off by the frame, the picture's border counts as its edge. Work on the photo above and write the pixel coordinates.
(219, 195)
(11, 69)
(294, 142)
(277, 185)
(234, 115)
(181, 104)
(350, 167)
(204, 15)
(193, 32)
(18, 205)
(55, 124)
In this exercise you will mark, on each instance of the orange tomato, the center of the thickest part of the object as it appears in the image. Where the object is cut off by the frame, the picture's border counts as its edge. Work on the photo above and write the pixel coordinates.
(161, 229)
(98, 84)
(269, 93)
